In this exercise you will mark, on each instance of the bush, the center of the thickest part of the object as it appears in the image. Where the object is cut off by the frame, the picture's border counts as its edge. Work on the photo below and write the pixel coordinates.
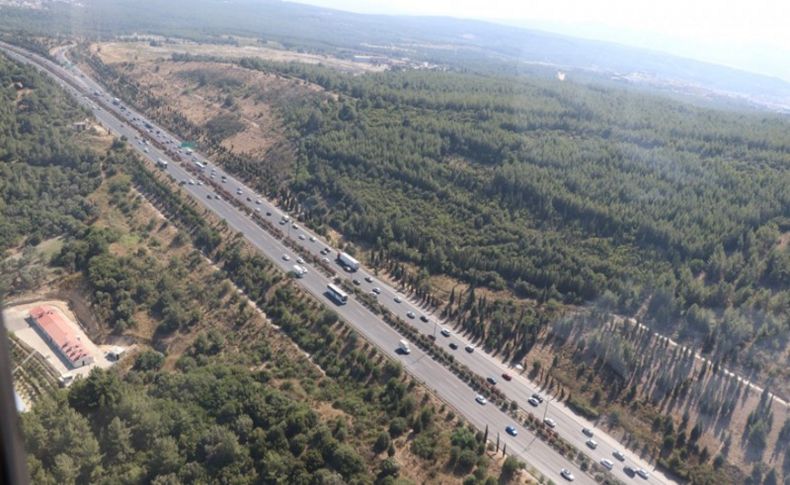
(149, 360)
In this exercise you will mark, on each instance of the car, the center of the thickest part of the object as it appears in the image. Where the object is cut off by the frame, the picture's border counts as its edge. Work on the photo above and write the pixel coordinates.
(268, 213)
(410, 314)
(619, 455)
(369, 279)
(356, 282)
(200, 182)
(629, 470)
(258, 201)
(607, 464)
(326, 260)
(328, 250)
(537, 397)
(295, 227)
(300, 260)
(481, 400)
(591, 443)
(587, 432)
(567, 474)
(424, 318)
(507, 377)
(534, 402)
(550, 422)
(208, 196)
(453, 345)
(376, 290)
(511, 430)
(398, 299)
(312, 238)
(191, 182)
(257, 209)
(470, 348)
(249, 200)
(491, 380)
(282, 223)
(445, 332)
(145, 150)
(239, 191)
(286, 257)
(301, 237)
(643, 473)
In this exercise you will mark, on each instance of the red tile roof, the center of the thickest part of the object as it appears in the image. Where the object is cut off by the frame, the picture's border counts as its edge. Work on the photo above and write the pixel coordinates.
(60, 332)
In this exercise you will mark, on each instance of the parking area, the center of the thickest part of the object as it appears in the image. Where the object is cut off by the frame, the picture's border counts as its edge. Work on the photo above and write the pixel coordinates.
(17, 322)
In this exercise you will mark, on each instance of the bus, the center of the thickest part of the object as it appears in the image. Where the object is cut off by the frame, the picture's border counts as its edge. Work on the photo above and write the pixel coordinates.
(337, 294)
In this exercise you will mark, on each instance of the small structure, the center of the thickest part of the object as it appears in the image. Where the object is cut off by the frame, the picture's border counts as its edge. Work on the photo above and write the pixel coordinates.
(81, 125)
(60, 335)
(115, 353)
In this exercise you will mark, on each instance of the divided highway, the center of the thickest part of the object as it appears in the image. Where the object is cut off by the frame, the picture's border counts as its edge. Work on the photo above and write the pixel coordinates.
(126, 122)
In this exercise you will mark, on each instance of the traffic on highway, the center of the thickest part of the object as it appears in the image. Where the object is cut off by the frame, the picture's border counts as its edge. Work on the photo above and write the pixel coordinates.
(198, 176)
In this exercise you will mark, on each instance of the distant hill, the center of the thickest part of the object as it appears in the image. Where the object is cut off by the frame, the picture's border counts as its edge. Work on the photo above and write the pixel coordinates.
(468, 43)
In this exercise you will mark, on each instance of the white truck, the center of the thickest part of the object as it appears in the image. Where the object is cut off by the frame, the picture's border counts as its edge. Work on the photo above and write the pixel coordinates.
(346, 260)
(299, 271)
(404, 347)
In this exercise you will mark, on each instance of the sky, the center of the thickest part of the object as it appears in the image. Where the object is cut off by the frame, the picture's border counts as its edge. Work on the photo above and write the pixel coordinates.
(748, 34)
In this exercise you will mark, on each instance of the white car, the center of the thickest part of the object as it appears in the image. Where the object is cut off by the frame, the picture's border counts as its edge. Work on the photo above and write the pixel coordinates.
(300, 260)
(286, 257)
(592, 444)
(445, 332)
(258, 201)
(470, 348)
(398, 299)
(301, 237)
(534, 402)
(619, 455)
(550, 422)
(410, 314)
(312, 238)
(369, 279)
(481, 400)
(607, 464)
(257, 209)
(191, 182)
(567, 474)
(376, 290)
(643, 473)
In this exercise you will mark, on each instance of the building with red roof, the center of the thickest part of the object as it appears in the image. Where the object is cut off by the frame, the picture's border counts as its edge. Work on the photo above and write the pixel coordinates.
(60, 335)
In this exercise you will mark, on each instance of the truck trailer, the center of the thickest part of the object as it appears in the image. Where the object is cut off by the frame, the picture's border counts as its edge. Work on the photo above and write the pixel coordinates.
(347, 261)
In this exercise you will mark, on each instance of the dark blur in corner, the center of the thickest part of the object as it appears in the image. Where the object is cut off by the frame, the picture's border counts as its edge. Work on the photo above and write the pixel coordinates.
(12, 453)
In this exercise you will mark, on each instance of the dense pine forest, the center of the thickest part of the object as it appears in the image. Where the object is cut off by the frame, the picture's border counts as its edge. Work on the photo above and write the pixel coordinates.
(562, 191)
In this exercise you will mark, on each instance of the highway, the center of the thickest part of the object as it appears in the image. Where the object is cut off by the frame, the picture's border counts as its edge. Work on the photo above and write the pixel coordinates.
(435, 376)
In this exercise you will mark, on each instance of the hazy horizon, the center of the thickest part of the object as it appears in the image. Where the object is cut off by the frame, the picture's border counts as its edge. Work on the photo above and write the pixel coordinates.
(749, 37)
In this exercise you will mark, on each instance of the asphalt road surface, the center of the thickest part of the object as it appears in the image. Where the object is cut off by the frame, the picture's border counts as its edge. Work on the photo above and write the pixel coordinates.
(127, 122)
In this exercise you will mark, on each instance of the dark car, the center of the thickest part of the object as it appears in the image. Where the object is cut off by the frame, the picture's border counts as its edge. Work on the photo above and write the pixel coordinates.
(506, 377)
(424, 318)
(453, 345)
